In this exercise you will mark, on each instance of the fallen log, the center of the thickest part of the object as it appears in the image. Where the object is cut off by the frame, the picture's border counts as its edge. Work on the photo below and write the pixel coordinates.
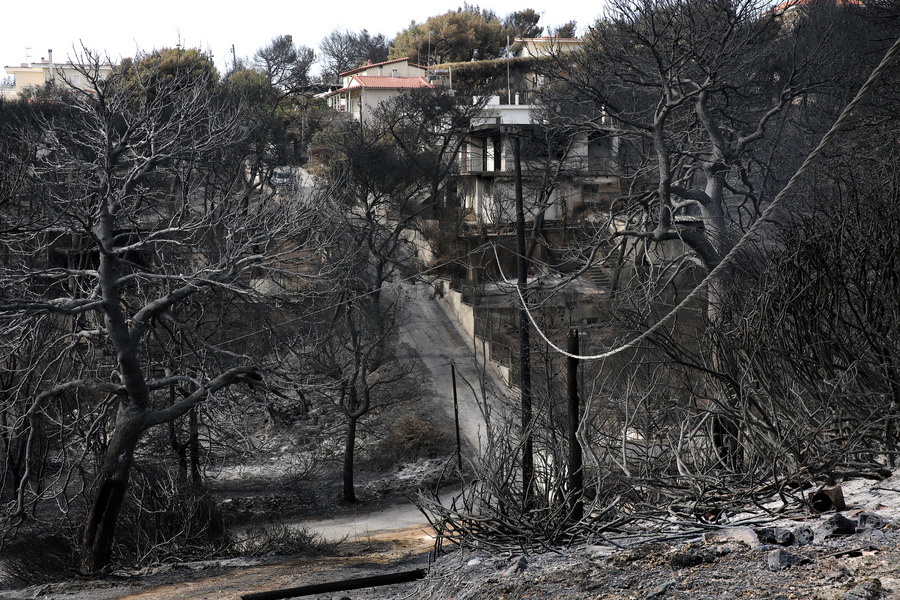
(338, 586)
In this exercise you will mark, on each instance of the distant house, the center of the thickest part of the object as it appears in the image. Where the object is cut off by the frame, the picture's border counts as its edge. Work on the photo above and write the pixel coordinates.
(37, 74)
(791, 10)
(486, 164)
(544, 46)
(540, 48)
(364, 88)
(586, 164)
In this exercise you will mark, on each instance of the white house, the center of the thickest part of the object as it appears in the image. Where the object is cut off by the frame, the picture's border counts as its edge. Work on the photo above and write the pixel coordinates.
(544, 46)
(37, 74)
(587, 180)
(364, 88)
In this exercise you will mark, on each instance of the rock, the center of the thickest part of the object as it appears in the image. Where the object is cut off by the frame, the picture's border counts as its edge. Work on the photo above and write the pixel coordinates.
(836, 524)
(835, 575)
(734, 534)
(660, 590)
(691, 557)
(775, 535)
(779, 559)
(803, 535)
(870, 519)
(520, 565)
(869, 589)
(598, 552)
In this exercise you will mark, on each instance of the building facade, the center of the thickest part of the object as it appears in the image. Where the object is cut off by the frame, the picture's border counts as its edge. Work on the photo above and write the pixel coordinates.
(34, 75)
(364, 88)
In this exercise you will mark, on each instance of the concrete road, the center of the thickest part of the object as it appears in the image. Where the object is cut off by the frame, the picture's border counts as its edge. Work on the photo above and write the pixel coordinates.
(436, 339)
(375, 522)
(439, 341)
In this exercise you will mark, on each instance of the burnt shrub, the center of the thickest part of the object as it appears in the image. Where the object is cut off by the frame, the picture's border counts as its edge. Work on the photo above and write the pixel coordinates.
(414, 437)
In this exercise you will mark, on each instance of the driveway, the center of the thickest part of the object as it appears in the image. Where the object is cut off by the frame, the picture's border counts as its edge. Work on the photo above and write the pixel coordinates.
(439, 341)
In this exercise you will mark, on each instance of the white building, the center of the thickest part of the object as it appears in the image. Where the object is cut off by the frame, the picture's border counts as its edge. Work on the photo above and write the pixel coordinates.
(573, 178)
(363, 89)
(37, 74)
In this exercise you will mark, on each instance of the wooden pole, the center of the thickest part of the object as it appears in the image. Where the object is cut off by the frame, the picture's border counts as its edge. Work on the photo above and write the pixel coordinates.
(338, 586)
(456, 416)
(576, 467)
(524, 341)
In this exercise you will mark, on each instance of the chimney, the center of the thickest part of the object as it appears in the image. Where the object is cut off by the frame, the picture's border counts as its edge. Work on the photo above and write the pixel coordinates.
(50, 62)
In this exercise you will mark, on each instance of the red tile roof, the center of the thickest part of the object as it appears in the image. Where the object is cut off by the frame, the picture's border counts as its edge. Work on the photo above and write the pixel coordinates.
(379, 82)
(388, 83)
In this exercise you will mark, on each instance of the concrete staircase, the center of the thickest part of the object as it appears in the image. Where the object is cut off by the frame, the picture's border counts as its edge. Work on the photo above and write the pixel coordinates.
(598, 276)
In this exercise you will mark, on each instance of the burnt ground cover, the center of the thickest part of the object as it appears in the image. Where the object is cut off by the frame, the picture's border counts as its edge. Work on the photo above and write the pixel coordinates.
(850, 555)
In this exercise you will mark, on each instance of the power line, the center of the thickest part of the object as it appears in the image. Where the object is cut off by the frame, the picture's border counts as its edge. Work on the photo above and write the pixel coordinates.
(745, 239)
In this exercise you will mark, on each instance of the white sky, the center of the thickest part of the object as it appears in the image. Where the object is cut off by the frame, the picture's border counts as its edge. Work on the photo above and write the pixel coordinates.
(119, 28)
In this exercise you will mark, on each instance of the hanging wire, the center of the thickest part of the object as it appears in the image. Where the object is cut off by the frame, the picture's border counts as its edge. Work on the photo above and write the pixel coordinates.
(745, 239)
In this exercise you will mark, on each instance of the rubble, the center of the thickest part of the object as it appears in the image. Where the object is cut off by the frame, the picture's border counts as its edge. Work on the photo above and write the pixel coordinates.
(852, 554)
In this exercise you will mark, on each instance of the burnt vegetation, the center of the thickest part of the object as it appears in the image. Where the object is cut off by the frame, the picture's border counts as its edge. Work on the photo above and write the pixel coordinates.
(169, 309)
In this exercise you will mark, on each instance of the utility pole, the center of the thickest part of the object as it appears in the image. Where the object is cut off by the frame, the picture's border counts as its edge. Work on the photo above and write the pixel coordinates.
(524, 341)
(456, 417)
(575, 467)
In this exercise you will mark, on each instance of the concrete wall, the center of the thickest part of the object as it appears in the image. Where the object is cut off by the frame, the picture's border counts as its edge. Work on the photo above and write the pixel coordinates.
(465, 316)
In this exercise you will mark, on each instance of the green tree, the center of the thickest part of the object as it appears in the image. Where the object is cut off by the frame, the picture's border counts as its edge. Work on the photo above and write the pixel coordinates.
(166, 67)
(523, 24)
(277, 95)
(285, 65)
(566, 30)
(468, 33)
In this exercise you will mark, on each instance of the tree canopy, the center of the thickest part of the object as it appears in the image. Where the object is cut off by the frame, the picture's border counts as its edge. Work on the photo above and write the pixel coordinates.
(168, 65)
(285, 64)
(345, 50)
(467, 33)
(523, 24)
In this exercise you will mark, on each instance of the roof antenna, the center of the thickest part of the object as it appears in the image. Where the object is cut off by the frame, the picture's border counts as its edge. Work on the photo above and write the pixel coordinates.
(508, 83)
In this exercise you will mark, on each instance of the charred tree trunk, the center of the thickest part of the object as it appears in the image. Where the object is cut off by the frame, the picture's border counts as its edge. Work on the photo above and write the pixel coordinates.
(114, 474)
(524, 341)
(194, 446)
(349, 493)
(188, 452)
(96, 546)
(180, 448)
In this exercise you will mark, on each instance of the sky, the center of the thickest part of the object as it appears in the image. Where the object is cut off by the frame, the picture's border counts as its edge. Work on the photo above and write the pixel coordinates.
(120, 29)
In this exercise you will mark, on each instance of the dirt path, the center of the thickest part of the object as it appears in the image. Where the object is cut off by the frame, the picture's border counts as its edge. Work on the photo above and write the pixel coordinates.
(376, 522)
(377, 554)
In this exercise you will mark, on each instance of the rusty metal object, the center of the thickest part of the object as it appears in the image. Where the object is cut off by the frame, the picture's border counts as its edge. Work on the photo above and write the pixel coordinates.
(830, 497)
